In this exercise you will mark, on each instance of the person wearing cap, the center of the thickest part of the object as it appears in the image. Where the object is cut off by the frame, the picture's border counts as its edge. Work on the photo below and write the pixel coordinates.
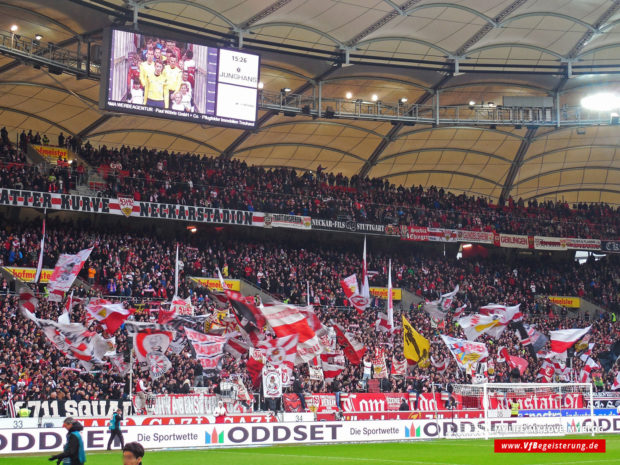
(115, 428)
(74, 452)
(133, 453)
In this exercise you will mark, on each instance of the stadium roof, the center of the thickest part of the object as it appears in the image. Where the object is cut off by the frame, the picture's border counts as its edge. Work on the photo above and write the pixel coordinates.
(476, 50)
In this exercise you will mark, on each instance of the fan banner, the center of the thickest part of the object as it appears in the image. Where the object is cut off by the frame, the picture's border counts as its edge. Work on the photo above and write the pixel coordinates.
(272, 382)
(379, 366)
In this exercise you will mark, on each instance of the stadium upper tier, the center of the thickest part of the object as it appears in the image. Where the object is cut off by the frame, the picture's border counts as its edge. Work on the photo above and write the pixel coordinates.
(187, 179)
(141, 266)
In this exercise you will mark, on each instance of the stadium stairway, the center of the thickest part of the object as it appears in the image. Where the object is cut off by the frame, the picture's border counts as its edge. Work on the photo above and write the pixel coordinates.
(36, 159)
(409, 298)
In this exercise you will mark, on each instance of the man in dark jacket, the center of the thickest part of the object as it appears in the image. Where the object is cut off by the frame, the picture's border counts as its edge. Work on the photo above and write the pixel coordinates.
(74, 453)
(115, 428)
(298, 388)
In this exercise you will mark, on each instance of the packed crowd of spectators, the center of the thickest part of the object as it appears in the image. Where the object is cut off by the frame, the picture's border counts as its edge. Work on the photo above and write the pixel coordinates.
(175, 178)
(139, 266)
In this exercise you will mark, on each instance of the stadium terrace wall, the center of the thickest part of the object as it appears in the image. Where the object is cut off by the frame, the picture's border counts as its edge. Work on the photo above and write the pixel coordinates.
(253, 434)
(128, 207)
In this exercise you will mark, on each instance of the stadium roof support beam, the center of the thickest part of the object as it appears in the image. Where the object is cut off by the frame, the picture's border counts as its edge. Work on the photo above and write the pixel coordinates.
(395, 13)
(264, 13)
(229, 151)
(211, 11)
(94, 125)
(536, 14)
(600, 23)
(517, 162)
(488, 27)
(393, 133)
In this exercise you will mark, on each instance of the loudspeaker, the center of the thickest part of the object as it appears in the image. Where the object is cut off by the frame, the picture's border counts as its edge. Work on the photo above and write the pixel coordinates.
(329, 112)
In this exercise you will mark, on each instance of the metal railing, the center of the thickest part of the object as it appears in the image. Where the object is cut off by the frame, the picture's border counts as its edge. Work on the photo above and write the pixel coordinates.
(317, 106)
(402, 112)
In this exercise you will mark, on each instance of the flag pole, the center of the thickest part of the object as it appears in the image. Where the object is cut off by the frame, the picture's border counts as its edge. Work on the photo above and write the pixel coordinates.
(176, 273)
(40, 262)
(131, 376)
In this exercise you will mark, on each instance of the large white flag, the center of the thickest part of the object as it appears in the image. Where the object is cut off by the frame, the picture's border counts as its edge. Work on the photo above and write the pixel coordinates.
(438, 309)
(287, 320)
(492, 324)
(66, 270)
(507, 313)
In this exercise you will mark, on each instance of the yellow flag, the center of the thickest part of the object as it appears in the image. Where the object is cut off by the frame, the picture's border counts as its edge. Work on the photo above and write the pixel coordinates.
(415, 346)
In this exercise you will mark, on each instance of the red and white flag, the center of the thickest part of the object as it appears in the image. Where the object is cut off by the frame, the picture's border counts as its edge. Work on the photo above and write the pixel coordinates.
(381, 324)
(440, 367)
(616, 384)
(563, 339)
(399, 367)
(255, 364)
(586, 371)
(236, 347)
(459, 311)
(75, 341)
(111, 316)
(28, 303)
(546, 372)
(66, 270)
(208, 348)
(513, 361)
(281, 353)
(390, 300)
(182, 306)
(353, 349)
(313, 321)
(287, 320)
(351, 290)
(333, 365)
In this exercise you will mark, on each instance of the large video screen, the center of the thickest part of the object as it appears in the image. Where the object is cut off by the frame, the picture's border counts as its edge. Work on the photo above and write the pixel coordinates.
(155, 76)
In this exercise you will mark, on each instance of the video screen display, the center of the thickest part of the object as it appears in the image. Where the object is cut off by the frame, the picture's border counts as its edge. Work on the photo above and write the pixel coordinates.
(156, 76)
